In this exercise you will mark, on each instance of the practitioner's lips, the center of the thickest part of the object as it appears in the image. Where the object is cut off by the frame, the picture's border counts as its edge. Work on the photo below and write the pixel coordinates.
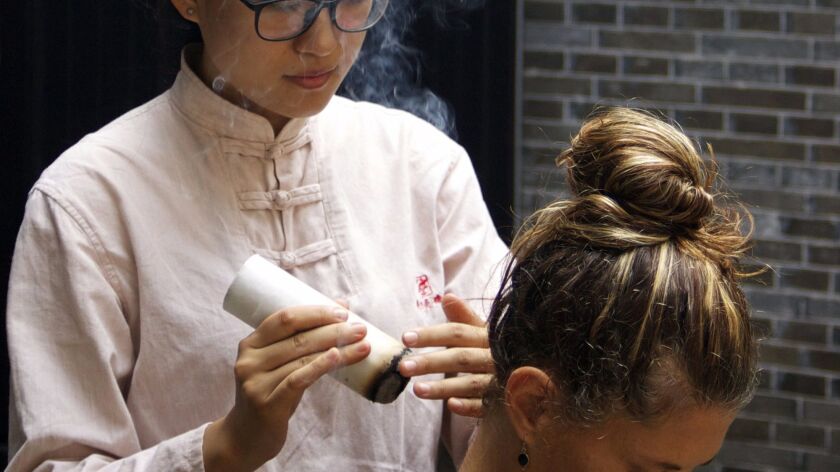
(312, 80)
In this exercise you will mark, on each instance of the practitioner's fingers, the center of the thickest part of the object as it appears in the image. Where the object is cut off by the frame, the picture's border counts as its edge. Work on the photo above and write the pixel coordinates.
(447, 335)
(449, 361)
(464, 386)
(464, 329)
(349, 354)
(471, 407)
(303, 344)
(288, 322)
(260, 390)
(457, 311)
(290, 389)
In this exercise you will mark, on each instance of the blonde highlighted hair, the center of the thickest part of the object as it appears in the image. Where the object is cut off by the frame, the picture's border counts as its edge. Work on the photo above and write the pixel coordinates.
(627, 293)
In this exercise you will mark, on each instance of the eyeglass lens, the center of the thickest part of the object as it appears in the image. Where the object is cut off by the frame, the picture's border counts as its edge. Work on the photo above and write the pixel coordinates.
(288, 18)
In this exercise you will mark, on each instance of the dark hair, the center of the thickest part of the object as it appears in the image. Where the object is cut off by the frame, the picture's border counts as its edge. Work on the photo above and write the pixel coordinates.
(627, 294)
(174, 32)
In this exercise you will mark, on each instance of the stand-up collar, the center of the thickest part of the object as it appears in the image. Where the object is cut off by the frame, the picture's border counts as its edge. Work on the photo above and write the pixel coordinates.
(202, 105)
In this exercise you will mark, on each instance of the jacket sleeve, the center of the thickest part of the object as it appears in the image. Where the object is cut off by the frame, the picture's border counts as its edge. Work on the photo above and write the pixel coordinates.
(71, 354)
(473, 254)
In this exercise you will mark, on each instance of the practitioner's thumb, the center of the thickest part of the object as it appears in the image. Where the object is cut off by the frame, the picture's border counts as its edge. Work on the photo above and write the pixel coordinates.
(457, 311)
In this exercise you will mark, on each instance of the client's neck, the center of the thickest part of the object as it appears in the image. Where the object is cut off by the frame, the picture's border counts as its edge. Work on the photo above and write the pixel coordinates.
(495, 447)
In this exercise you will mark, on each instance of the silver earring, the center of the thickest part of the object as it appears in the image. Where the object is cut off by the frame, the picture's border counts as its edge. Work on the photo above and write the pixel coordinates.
(523, 458)
(191, 11)
(218, 84)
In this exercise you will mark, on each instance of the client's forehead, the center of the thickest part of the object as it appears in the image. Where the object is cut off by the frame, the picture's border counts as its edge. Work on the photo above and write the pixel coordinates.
(681, 441)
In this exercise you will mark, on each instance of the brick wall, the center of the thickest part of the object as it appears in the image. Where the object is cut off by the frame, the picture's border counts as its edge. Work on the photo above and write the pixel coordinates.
(759, 80)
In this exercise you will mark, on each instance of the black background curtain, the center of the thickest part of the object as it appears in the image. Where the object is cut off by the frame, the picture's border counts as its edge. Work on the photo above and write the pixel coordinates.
(68, 68)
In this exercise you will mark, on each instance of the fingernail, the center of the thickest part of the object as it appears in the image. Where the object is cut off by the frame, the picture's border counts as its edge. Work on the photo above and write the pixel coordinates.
(410, 338)
(422, 389)
(456, 404)
(363, 347)
(358, 329)
(341, 314)
(409, 366)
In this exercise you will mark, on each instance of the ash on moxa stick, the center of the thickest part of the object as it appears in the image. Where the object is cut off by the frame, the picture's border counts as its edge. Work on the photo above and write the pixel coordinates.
(261, 289)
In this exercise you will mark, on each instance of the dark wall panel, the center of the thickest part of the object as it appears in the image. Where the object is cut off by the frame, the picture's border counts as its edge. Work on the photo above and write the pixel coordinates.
(471, 64)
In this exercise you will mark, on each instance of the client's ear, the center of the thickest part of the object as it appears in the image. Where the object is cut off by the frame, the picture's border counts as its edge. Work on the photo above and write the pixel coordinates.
(527, 393)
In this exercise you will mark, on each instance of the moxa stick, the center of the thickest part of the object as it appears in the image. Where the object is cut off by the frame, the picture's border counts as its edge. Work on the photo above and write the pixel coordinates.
(261, 289)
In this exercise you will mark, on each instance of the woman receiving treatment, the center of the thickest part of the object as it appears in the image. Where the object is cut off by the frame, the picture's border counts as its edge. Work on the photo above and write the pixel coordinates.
(121, 355)
(621, 338)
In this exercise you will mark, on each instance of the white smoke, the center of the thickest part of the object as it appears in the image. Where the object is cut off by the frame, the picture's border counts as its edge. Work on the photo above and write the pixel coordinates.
(388, 70)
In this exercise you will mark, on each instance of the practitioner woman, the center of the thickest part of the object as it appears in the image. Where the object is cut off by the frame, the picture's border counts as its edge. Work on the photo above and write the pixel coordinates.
(121, 355)
(621, 338)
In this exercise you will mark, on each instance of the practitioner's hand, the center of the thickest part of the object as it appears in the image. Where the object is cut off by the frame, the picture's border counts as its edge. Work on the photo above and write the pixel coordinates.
(287, 353)
(466, 340)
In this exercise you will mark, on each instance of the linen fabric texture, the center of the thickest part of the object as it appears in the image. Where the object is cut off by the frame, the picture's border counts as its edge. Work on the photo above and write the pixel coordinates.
(120, 351)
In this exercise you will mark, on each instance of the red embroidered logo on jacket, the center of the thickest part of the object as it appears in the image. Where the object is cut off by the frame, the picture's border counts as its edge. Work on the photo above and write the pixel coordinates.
(426, 296)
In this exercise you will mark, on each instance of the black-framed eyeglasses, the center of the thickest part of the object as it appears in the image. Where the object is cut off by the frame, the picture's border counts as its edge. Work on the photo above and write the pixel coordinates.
(282, 20)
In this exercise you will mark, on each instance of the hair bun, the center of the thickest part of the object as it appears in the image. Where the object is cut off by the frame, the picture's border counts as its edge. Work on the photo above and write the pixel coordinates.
(634, 169)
